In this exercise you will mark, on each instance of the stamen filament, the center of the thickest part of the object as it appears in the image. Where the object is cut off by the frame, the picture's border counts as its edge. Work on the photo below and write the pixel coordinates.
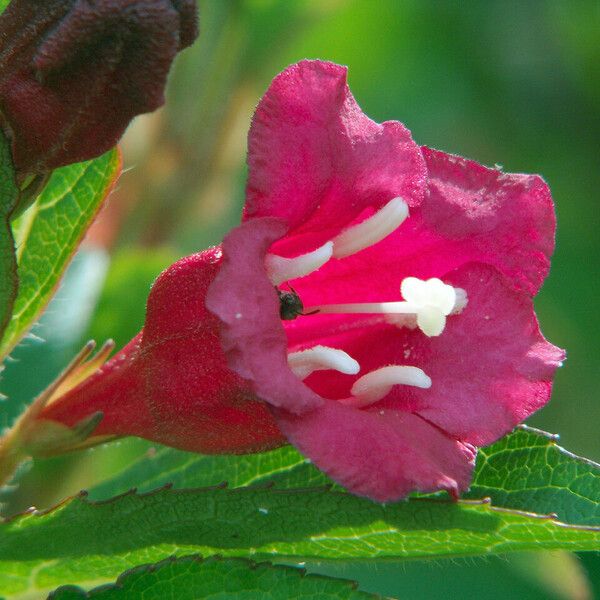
(371, 230)
(374, 386)
(280, 269)
(320, 358)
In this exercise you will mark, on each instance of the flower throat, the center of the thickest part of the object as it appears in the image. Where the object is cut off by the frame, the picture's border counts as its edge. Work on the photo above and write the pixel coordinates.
(426, 305)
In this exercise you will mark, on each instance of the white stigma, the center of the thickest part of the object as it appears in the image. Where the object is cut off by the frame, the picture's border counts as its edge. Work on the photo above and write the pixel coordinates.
(371, 230)
(374, 386)
(321, 358)
(433, 301)
(280, 269)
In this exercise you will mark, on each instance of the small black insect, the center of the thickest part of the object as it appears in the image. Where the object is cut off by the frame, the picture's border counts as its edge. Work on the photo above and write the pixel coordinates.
(290, 305)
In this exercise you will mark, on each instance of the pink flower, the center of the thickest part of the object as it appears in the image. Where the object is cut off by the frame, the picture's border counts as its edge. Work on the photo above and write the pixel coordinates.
(421, 265)
(476, 363)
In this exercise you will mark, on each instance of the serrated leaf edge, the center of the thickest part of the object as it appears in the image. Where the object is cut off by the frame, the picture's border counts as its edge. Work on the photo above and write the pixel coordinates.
(552, 441)
(246, 562)
(83, 497)
(8, 343)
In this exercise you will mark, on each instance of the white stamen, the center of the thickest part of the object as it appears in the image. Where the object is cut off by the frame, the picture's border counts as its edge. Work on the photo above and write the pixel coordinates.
(426, 305)
(282, 269)
(320, 358)
(371, 230)
(377, 384)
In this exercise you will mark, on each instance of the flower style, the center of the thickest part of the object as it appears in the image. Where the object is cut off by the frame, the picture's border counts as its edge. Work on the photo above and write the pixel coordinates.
(412, 271)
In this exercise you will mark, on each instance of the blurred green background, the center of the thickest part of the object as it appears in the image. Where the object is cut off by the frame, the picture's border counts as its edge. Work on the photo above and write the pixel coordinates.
(503, 82)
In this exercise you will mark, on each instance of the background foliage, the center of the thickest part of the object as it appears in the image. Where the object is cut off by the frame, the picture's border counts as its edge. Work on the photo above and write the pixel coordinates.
(514, 83)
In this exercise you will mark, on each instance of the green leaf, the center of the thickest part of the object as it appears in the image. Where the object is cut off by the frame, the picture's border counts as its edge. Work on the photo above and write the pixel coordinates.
(3, 5)
(526, 576)
(48, 234)
(526, 470)
(85, 542)
(9, 194)
(284, 468)
(215, 578)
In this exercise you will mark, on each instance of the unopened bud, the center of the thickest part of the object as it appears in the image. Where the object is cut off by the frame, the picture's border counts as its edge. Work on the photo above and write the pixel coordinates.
(73, 73)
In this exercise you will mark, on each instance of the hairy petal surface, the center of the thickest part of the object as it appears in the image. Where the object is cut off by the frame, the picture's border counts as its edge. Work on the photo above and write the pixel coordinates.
(470, 214)
(503, 219)
(492, 367)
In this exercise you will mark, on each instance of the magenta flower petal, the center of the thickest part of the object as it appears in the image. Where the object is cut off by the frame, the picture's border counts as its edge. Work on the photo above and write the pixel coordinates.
(382, 455)
(504, 219)
(471, 213)
(319, 165)
(316, 160)
(493, 358)
(252, 335)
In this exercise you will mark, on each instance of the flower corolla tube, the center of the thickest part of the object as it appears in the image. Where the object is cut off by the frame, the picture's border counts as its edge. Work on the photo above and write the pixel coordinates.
(374, 308)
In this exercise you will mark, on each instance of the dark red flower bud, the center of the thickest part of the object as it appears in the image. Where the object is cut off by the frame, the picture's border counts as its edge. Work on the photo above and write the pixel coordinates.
(75, 72)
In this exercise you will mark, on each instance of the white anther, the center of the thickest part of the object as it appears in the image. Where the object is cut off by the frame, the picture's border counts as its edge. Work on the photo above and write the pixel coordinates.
(377, 384)
(320, 358)
(371, 230)
(433, 301)
(280, 269)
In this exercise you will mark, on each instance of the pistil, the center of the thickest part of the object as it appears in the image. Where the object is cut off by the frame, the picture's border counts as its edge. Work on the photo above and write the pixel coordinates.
(427, 304)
